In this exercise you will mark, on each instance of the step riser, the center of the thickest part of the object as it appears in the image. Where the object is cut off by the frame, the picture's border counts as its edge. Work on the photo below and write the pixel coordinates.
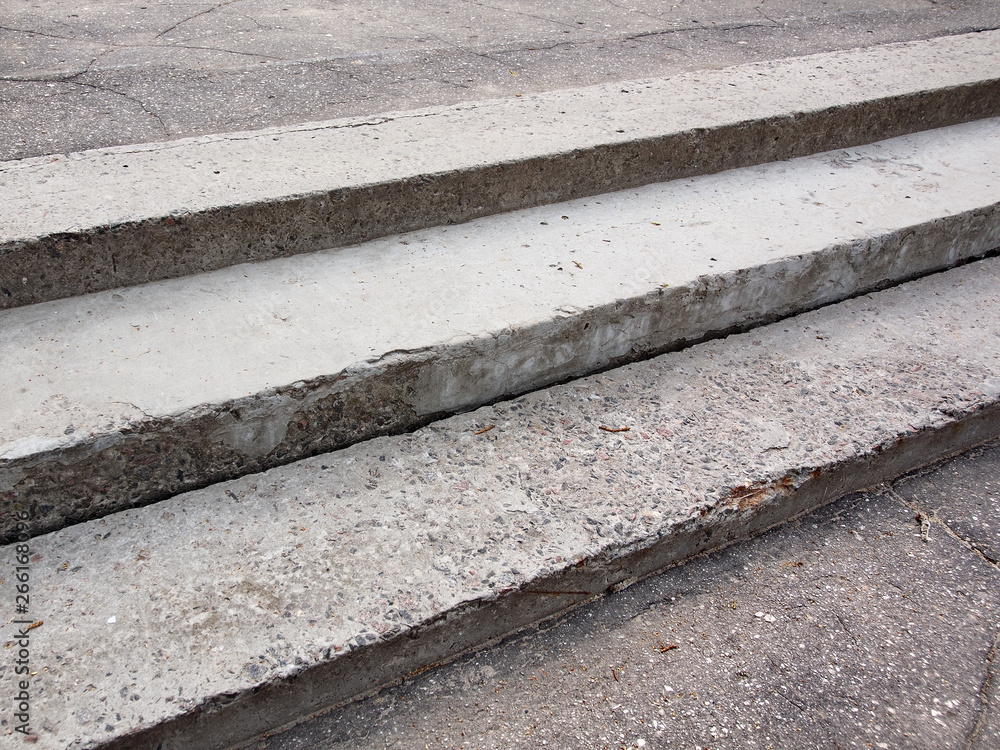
(192, 233)
(158, 458)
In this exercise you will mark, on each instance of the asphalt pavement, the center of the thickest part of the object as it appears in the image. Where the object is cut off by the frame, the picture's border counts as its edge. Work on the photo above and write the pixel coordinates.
(74, 76)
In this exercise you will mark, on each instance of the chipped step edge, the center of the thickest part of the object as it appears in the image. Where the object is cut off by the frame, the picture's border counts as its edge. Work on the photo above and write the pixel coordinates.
(75, 479)
(229, 720)
(755, 114)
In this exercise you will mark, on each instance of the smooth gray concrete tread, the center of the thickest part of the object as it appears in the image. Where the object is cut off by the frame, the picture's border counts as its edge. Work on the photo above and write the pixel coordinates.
(845, 628)
(111, 218)
(122, 398)
(215, 615)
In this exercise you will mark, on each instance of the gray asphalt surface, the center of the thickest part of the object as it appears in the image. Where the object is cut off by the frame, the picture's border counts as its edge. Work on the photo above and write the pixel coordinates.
(106, 73)
(843, 629)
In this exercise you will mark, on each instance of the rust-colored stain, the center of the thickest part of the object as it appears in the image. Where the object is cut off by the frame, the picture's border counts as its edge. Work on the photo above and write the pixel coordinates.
(420, 670)
(748, 497)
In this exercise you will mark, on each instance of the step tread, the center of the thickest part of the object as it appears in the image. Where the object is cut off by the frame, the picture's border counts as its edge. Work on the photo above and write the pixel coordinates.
(232, 361)
(311, 570)
(91, 189)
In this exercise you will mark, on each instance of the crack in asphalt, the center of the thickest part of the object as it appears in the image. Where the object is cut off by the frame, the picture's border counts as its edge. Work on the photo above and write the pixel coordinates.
(522, 13)
(983, 711)
(445, 42)
(178, 45)
(791, 701)
(634, 10)
(682, 29)
(847, 630)
(134, 100)
(935, 519)
(36, 33)
(555, 46)
(760, 10)
(63, 78)
(194, 16)
(146, 149)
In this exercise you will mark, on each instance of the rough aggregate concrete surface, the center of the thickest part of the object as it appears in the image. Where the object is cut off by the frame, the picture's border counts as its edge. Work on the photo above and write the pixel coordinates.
(846, 628)
(75, 77)
(126, 397)
(317, 581)
(107, 218)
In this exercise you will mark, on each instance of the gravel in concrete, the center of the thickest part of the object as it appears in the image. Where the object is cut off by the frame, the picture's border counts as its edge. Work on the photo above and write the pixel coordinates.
(842, 629)
(211, 616)
(115, 217)
(74, 77)
(126, 397)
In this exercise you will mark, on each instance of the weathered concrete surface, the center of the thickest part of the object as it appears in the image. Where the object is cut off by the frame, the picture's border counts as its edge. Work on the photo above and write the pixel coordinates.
(207, 617)
(843, 629)
(115, 217)
(80, 77)
(127, 397)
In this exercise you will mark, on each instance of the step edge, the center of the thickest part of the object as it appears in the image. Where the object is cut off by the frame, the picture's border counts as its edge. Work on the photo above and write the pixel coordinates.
(229, 721)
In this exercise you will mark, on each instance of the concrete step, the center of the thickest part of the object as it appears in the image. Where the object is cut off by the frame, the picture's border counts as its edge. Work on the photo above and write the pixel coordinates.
(125, 397)
(213, 616)
(884, 603)
(120, 216)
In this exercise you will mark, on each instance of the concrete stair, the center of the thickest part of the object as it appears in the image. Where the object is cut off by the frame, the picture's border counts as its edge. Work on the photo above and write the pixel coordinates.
(246, 498)
(127, 215)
